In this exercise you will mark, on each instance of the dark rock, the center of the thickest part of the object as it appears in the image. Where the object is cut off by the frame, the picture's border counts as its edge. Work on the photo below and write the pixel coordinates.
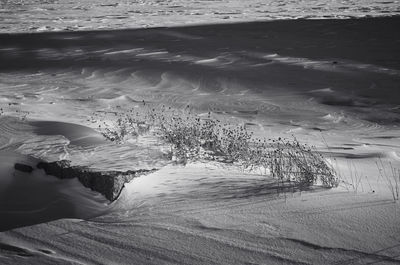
(60, 169)
(23, 168)
(108, 183)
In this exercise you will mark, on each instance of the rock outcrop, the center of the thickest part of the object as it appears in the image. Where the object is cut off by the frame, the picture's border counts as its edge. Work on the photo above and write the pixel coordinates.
(108, 183)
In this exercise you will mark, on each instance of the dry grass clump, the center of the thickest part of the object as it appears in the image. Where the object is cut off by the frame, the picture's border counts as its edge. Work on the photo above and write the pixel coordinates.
(392, 178)
(290, 160)
(12, 109)
(118, 127)
(194, 138)
(125, 128)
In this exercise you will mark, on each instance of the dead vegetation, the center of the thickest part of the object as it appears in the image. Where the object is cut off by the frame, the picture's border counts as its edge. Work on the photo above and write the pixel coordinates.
(192, 137)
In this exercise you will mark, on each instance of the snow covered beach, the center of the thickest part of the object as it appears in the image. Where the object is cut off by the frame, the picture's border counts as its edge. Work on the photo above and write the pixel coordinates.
(333, 81)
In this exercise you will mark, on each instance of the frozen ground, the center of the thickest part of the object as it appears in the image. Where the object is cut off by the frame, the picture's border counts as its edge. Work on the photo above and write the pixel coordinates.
(331, 83)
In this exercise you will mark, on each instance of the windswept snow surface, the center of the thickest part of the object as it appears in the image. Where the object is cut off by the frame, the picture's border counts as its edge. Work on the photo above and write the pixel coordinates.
(330, 83)
(202, 214)
(56, 15)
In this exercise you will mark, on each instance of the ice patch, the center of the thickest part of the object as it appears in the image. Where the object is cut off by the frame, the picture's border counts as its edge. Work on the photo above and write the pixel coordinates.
(323, 90)
(152, 53)
(124, 51)
(207, 61)
(334, 117)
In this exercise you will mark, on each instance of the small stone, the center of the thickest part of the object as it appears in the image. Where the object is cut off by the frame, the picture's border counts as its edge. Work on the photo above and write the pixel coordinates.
(23, 168)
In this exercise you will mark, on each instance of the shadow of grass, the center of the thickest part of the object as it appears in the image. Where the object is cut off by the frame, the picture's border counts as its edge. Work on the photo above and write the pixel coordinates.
(245, 189)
